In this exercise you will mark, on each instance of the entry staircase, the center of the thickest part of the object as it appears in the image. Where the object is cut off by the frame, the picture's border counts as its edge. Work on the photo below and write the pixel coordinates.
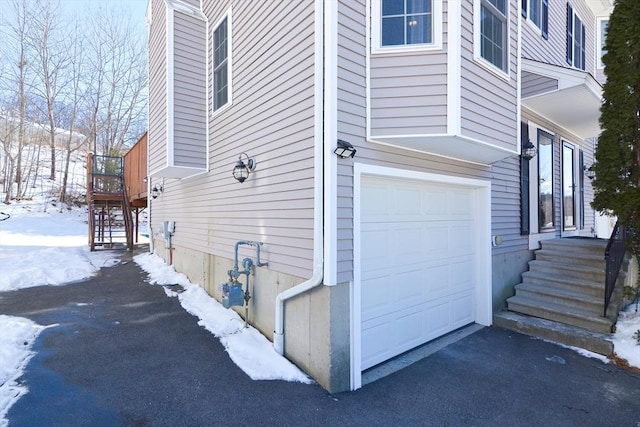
(561, 297)
(110, 218)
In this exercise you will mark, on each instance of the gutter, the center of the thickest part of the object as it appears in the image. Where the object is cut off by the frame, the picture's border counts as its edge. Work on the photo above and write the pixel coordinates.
(322, 107)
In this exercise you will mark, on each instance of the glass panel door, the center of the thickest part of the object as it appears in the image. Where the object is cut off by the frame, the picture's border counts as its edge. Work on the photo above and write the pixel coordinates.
(568, 188)
(546, 219)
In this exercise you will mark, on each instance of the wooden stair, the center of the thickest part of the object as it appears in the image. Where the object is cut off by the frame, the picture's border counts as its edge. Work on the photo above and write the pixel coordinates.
(110, 219)
(561, 297)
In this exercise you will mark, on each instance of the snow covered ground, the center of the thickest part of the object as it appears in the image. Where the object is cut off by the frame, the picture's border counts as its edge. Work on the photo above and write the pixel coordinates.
(50, 248)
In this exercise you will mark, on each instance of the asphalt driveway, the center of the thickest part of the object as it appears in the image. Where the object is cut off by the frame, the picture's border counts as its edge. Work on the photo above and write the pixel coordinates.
(124, 354)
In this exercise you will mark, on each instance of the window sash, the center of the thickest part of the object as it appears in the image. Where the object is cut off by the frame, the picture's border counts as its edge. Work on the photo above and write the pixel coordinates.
(493, 33)
(411, 25)
(220, 65)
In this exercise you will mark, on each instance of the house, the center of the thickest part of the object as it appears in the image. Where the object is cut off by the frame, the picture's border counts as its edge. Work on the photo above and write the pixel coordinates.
(428, 227)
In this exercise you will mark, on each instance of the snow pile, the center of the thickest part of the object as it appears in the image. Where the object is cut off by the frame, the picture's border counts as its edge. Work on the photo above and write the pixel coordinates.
(247, 347)
(17, 337)
(46, 248)
(624, 344)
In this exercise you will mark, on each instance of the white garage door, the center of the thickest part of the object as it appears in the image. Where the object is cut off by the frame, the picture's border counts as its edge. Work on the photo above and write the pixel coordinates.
(418, 266)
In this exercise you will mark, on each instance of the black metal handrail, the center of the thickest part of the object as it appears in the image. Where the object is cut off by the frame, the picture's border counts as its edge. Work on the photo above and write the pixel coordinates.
(614, 255)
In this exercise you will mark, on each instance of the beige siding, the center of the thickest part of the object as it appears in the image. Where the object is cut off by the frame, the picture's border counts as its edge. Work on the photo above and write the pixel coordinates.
(271, 118)
(189, 95)
(505, 206)
(158, 87)
(488, 101)
(535, 84)
(553, 50)
(408, 92)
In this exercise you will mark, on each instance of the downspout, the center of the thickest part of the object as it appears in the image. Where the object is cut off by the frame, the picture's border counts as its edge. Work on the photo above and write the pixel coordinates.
(318, 182)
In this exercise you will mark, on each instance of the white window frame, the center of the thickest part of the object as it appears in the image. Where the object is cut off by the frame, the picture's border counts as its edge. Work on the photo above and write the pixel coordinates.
(477, 40)
(583, 45)
(376, 29)
(599, 41)
(229, 102)
(538, 25)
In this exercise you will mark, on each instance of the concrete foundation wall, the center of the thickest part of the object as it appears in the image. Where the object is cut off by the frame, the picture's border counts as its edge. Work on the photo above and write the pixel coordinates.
(317, 324)
(507, 272)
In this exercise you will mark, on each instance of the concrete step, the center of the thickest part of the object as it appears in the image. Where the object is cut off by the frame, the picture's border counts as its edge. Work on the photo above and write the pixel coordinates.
(586, 259)
(553, 331)
(559, 313)
(575, 245)
(586, 287)
(568, 271)
(562, 296)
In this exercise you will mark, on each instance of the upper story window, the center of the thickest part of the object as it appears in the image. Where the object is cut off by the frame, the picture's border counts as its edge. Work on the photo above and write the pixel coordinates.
(575, 39)
(406, 24)
(493, 32)
(603, 26)
(222, 63)
(538, 13)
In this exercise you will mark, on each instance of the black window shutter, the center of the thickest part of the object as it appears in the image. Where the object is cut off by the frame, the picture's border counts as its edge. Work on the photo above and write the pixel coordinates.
(524, 183)
(545, 19)
(569, 34)
(524, 7)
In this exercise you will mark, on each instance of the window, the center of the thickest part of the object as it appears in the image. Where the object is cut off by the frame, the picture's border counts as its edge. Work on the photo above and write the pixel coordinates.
(401, 25)
(546, 220)
(493, 32)
(568, 188)
(575, 40)
(406, 22)
(538, 12)
(603, 26)
(221, 64)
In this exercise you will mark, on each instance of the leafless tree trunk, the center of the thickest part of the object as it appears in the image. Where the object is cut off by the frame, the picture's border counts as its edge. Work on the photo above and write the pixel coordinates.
(53, 58)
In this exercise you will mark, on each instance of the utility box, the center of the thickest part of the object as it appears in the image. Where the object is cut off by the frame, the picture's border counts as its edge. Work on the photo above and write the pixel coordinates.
(168, 228)
(232, 294)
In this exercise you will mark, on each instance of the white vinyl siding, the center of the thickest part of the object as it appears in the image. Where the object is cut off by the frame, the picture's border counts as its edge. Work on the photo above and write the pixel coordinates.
(190, 91)
(271, 119)
(488, 100)
(157, 137)
(408, 94)
(553, 50)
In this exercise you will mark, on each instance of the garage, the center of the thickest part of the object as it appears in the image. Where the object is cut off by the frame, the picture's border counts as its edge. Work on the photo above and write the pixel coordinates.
(422, 245)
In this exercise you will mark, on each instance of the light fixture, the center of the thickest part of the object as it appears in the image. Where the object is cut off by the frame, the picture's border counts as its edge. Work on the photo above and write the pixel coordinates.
(156, 191)
(344, 149)
(529, 150)
(589, 172)
(241, 170)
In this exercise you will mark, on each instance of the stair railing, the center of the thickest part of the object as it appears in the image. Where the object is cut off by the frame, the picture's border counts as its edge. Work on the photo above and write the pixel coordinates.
(614, 255)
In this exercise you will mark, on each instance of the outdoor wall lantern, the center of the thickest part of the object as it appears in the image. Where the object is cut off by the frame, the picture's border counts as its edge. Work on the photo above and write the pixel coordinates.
(529, 150)
(589, 172)
(344, 149)
(156, 191)
(241, 170)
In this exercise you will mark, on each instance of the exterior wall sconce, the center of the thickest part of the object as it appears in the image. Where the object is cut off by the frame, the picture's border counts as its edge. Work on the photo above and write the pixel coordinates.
(529, 151)
(156, 191)
(589, 172)
(241, 170)
(344, 149)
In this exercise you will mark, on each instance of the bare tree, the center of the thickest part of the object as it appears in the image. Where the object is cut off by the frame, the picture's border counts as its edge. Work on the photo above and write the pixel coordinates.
(118, 91)
(17, 33)
(53, 58)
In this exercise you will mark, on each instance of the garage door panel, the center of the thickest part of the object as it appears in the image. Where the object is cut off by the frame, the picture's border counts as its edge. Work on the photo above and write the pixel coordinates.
(418, 264)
